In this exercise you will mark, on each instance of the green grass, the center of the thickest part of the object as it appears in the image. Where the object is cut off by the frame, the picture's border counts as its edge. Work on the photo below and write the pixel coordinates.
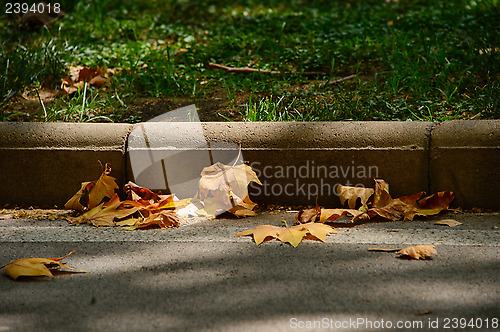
(412, 60)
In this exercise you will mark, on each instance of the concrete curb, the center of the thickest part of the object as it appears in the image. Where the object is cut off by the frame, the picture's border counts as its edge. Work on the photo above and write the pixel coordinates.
(43, 164)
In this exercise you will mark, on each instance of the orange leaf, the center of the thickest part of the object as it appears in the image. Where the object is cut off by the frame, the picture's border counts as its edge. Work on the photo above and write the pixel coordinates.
(106, 213)
(34, 267)
(104, 187)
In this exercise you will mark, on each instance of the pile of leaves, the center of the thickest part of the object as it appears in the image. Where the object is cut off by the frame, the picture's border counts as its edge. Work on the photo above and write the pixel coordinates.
(80, 76)
(372, 202)
(221, 188)
(377, 202)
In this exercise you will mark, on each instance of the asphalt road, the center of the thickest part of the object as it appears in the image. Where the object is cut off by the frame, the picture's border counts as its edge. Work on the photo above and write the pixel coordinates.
(202, 278)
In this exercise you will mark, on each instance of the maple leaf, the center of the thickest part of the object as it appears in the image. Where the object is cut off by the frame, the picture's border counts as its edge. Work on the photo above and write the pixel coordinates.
(330, 215)
(405, 207)
(34, 267)
(318, 231)
(308, 215)
(244, 208)
(105, 213)
(352, 194)
(418, 252)
(262, 233)
(293, 235)
(80, 200)
(435, 203)
(91, 194)
(104, 187)
(163, 219)
(223, 187)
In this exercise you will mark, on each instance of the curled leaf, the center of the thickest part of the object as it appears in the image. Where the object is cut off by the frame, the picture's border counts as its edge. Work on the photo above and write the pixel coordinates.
(418, 252)
(35, 267)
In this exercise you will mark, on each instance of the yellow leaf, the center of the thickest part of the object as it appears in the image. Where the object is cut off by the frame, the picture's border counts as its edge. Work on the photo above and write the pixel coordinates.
(319, 231)
(34, 267)
(292, 235)
(262, 233)
(418, 252)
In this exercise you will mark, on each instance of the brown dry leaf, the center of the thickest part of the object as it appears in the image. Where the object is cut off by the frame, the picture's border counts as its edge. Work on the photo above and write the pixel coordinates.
(436, 203)
(34, 267)
(244, 208)
(80, 200)
(293, 235)
(308, 215)
(90, 195)
(164, 219)
(330, 215)
(137, 193)
(106, 213)
(224, 187)
(418, 252)
(405, 207)
(351, 195)
(448, 222)
(104, 187)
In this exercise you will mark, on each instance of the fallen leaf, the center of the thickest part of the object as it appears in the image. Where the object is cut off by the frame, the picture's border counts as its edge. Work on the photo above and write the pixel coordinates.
(163, 220)
(34, 267)
(91, 194)
(104, 187)
(330, 215)
(244, 208)
(448, 222)
(293, 235)
(418, 252)
(106, 213)
(308, 215)
(262, 233)
(224, 187)
(352, 194)
(436, 203)
(318, 231)
(80, 200)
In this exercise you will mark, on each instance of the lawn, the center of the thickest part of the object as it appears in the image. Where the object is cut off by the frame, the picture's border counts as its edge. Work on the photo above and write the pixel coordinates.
(304, 60)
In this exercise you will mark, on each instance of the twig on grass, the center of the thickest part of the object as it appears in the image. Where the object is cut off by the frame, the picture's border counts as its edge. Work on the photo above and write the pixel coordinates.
(247, 70)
